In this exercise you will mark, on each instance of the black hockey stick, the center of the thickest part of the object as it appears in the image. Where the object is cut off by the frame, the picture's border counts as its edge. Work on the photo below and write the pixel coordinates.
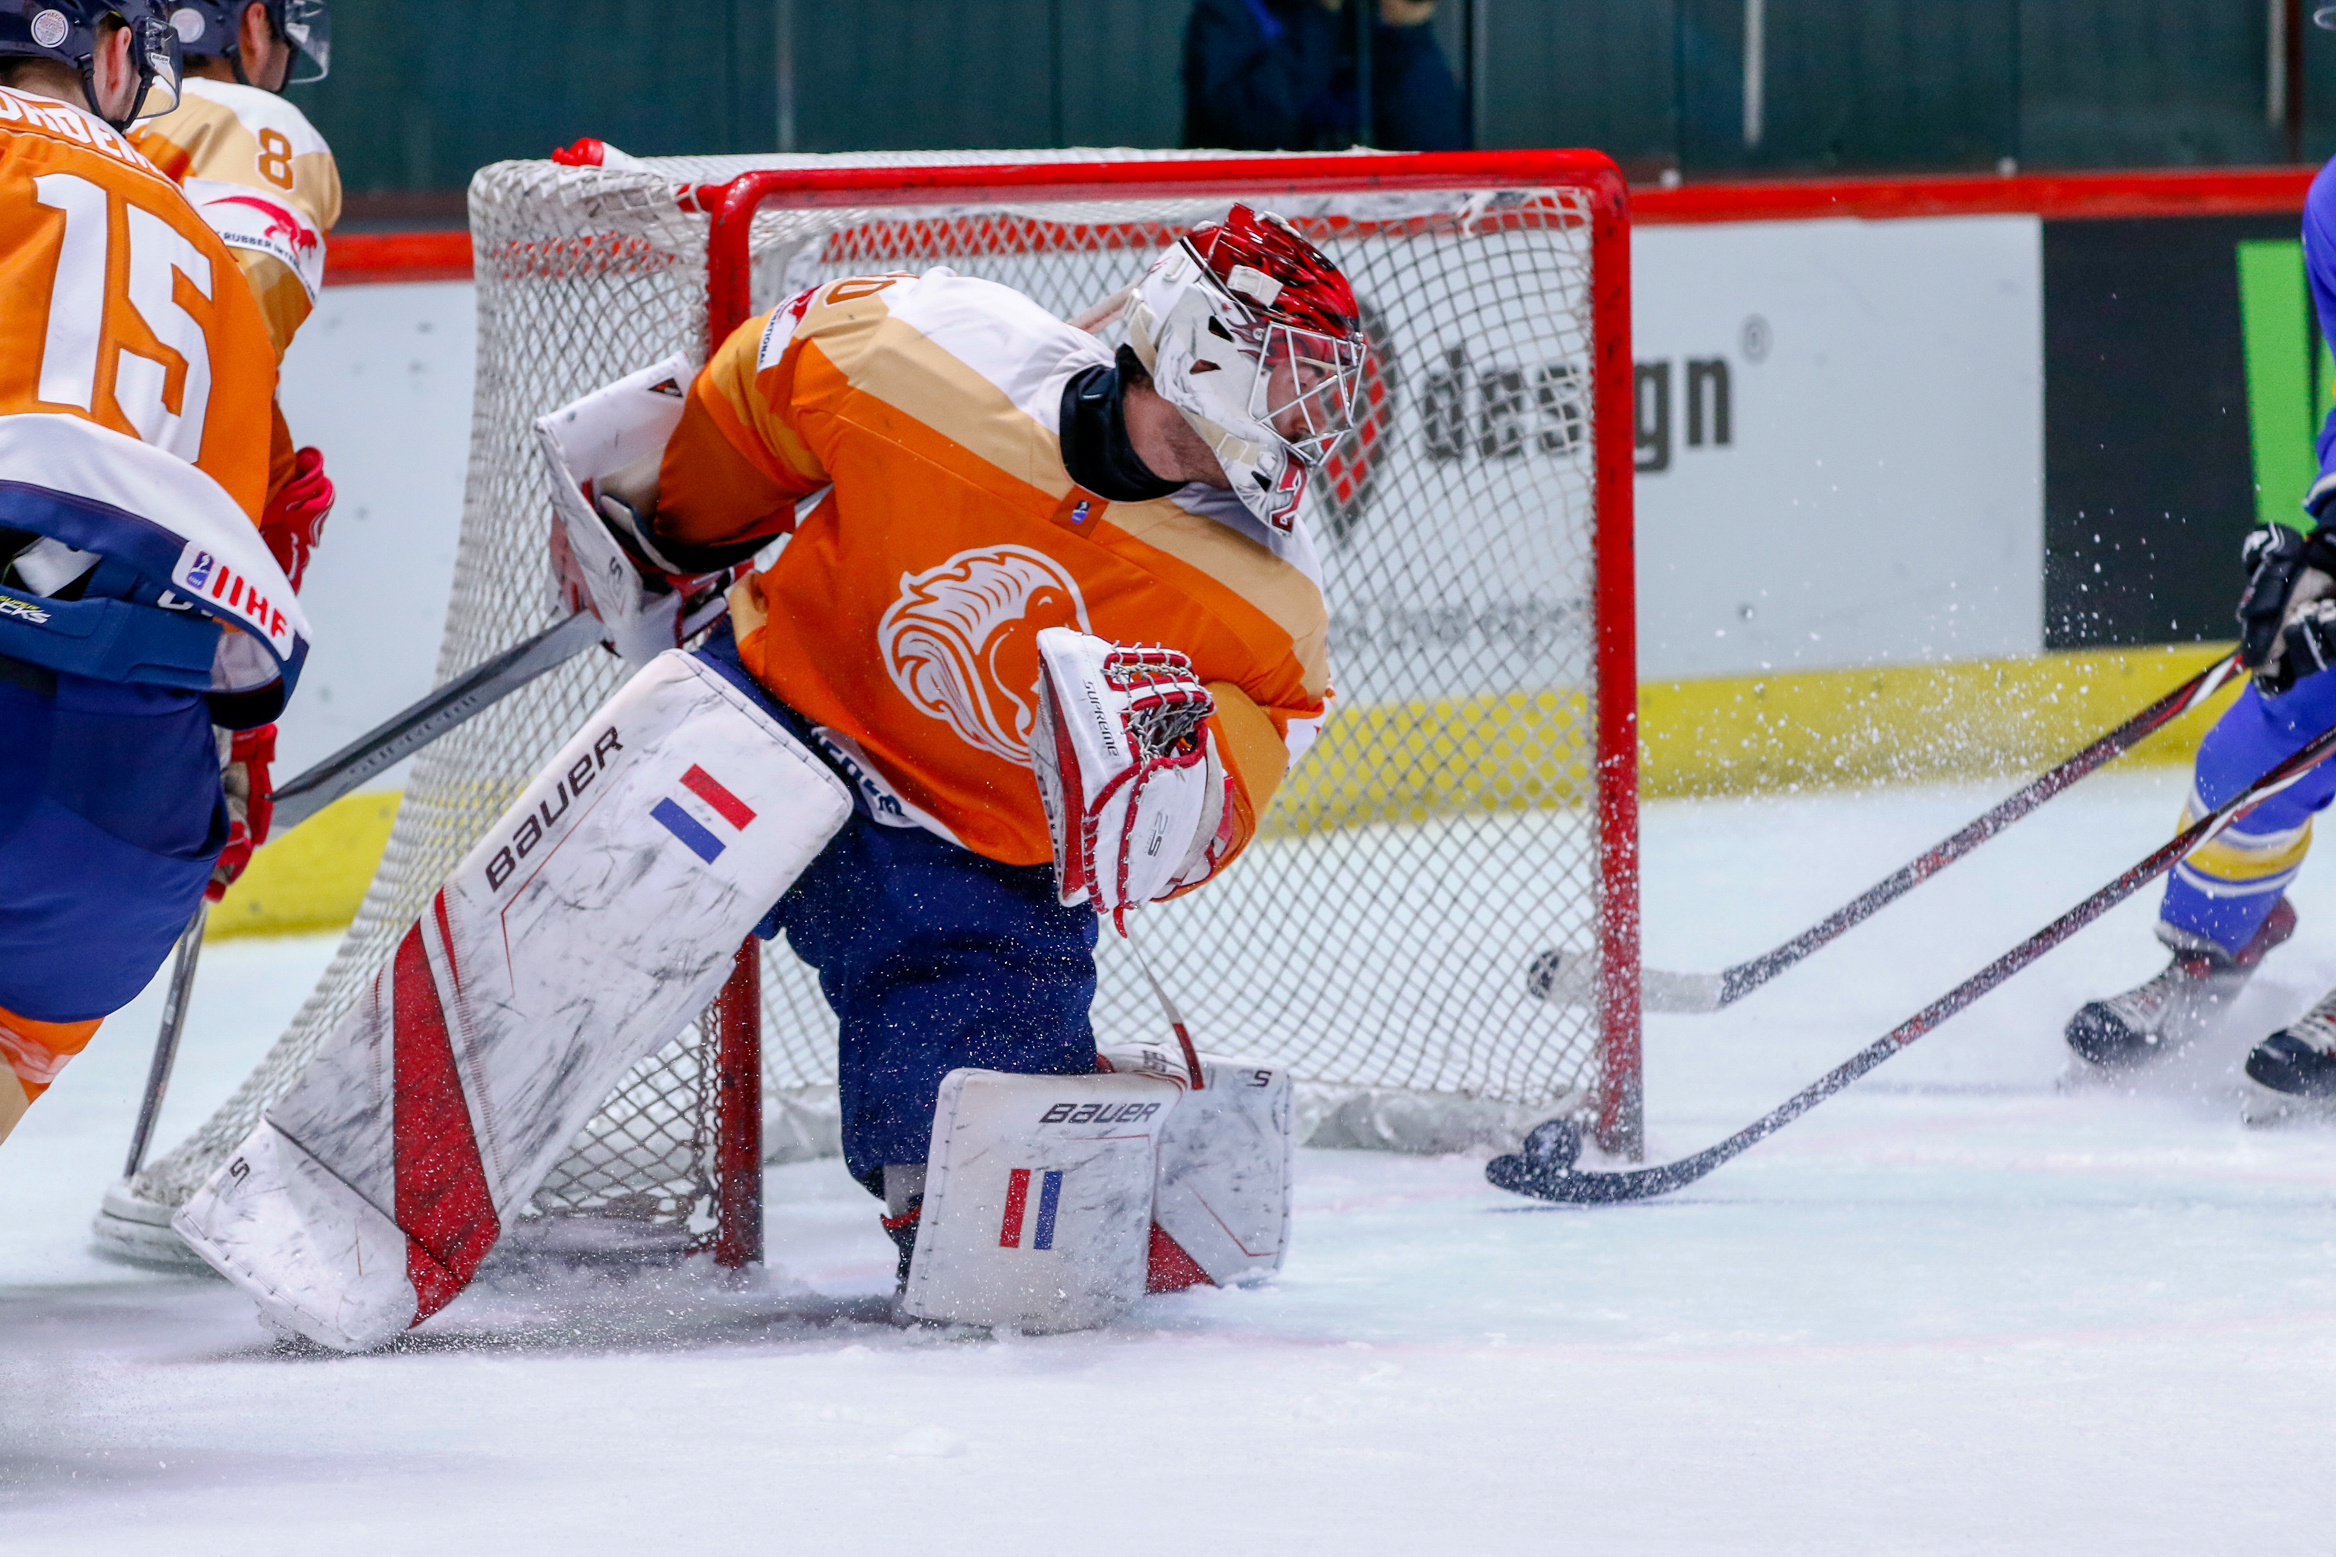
(376, 751)
(1570, 977)
(403, 734)
(1545, 1168)
(174, 1020)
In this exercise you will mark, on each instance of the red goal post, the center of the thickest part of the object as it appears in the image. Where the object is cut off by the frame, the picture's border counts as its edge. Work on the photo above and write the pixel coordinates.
(730, 271)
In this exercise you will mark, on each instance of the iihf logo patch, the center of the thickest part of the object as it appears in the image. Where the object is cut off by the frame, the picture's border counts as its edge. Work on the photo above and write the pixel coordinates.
(1050, 1198)
(689, 829)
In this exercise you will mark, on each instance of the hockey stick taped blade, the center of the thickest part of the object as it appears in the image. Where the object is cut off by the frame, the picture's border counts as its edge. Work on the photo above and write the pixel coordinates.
(1570, 978)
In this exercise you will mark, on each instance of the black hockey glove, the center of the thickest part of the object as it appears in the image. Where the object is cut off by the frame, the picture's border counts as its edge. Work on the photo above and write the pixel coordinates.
(2278, 559)
(2307, 646)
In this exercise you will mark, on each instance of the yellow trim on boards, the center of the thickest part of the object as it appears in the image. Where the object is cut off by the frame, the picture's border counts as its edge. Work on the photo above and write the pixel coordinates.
(313, 877)
(1405, 762)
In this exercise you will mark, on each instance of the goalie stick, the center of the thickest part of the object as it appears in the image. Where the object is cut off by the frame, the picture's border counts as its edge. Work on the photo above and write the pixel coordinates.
(376, 751)
(1570, 977)
(1545, 1169)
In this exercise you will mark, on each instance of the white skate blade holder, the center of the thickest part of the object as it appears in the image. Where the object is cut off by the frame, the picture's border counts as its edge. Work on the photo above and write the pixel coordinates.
(1222, 1187)
(1038, 1200)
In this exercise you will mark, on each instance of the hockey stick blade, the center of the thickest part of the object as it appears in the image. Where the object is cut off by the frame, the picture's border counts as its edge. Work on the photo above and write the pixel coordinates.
(403, 734)
(1570, 978)
(1552, 1177)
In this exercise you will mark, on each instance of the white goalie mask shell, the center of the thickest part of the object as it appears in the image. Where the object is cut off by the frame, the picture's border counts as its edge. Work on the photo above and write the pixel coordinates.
(1207, 350)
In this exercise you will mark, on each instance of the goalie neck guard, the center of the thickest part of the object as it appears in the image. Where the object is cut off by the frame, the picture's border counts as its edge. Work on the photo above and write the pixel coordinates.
(67, 31)
(1253, 334)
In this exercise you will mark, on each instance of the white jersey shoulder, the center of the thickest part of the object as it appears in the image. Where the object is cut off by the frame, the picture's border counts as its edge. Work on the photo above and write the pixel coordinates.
(1002, 335)
(259, 111)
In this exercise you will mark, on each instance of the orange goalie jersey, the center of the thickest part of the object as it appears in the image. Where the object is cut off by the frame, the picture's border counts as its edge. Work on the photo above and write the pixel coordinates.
(124, 309)
(903, 613)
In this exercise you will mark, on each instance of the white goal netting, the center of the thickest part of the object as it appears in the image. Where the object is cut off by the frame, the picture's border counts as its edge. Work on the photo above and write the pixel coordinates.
(1442, 830)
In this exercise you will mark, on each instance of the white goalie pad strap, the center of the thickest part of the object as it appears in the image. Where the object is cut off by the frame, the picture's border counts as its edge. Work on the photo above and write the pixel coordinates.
(1038, 1197)
(595, 437)
(1223, 1188)
(1127, 771)
(595, 918)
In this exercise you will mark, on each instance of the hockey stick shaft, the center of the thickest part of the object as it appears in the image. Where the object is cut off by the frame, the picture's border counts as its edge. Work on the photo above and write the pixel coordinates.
(1645, 1183)
(403, 734)
(1699, 993)
(174, 1021)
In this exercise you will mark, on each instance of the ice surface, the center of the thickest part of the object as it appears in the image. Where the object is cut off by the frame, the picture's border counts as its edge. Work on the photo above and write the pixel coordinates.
(1957, 1309)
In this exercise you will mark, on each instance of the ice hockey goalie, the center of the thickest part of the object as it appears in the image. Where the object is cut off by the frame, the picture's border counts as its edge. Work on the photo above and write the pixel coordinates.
(1045, 634)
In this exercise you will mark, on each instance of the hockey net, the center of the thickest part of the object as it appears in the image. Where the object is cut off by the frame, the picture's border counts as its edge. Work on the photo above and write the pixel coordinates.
(1470, 801)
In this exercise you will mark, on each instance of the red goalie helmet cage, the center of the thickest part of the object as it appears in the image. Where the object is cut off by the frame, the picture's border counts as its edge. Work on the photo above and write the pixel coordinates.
(1471, 801)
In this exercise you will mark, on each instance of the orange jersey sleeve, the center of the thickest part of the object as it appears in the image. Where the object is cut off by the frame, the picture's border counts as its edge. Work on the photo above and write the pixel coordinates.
(124, 308)
(902, 615)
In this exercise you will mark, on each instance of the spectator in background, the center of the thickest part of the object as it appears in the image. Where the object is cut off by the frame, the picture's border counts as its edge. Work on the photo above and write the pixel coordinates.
(1279, 75)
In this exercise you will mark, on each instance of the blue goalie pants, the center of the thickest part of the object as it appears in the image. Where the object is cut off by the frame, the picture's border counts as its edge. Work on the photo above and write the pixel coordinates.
(932, 958)
(111, 818)
(2225, 890)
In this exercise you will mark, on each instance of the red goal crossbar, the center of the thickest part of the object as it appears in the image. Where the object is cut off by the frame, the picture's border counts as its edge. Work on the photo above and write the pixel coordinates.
(729, 277)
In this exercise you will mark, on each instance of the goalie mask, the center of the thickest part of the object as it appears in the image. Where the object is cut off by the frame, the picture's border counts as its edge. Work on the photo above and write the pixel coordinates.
(1254, 335)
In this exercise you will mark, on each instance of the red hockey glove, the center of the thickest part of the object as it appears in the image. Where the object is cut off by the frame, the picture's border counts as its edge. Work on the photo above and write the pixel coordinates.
(249, 810)
(1135, 797)
(295, 516)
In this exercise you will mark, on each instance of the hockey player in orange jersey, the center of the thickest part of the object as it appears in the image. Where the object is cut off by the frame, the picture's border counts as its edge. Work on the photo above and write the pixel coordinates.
(1045, 634)
(265, 180)
(137, 603)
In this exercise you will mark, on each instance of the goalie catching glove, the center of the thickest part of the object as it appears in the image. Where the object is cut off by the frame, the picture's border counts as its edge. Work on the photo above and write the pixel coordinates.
(1136, 798)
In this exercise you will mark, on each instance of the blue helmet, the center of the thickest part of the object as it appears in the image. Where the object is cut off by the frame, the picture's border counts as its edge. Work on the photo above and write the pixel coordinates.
(66, 31)
(213, 29)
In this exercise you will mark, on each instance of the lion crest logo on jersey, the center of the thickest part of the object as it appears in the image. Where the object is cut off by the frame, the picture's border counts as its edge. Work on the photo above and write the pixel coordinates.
(961, 642)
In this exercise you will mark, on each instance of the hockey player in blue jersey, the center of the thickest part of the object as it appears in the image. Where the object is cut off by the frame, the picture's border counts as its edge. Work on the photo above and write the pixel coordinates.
(2225, 904)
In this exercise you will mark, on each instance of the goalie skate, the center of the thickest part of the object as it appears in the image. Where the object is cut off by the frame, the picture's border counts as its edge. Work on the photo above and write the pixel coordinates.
(2155, 1018)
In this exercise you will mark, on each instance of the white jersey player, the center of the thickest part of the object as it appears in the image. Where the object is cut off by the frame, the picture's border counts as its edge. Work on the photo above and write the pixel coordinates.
(1047, 634)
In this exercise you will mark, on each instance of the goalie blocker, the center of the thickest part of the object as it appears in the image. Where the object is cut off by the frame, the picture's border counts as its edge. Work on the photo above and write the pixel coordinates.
(582, 931)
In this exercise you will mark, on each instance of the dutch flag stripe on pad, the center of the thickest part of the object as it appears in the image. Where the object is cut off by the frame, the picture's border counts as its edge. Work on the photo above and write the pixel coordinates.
(1050, 1197)
(702, 784)
(689, 829)
(1017, 1202)
(684, 826)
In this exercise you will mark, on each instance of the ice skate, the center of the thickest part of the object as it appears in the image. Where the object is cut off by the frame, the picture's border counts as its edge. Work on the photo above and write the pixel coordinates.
(2293, 1072)
(2154, 1019)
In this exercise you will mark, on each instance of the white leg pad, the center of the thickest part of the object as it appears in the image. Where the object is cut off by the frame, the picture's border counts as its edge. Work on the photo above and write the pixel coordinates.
(593, 920)
(1223, 1188)
(1038, 1198)
(316, 1256)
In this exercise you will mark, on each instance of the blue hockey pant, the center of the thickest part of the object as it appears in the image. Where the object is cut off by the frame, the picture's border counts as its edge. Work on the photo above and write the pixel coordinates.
(2225, 889)
(932, 958)
(110, 820)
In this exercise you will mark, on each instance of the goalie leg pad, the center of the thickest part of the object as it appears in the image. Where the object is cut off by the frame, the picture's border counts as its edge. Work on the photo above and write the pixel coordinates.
(1222, 1196)
(593, 920)
(1038, 1196)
